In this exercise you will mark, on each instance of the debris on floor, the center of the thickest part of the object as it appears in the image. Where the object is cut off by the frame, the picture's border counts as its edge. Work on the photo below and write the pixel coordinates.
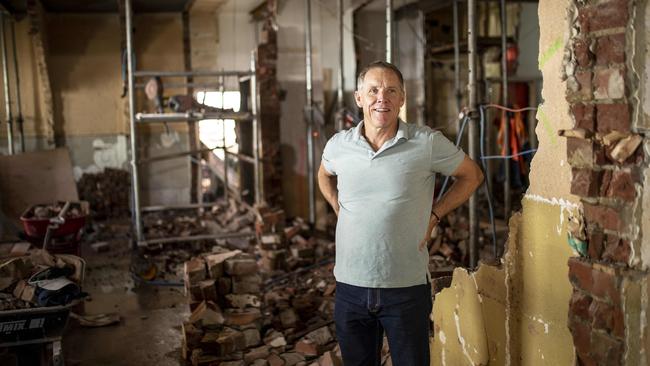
(40, 279)
(106, 192)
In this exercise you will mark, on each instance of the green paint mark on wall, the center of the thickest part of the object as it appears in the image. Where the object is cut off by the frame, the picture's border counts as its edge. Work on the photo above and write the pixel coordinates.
(550, 52)
(550, 131)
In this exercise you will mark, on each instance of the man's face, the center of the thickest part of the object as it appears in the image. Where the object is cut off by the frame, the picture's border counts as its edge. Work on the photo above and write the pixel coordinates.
(381, 98)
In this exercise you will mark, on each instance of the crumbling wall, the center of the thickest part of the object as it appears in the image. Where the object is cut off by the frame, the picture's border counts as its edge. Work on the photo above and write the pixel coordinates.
(525, 314)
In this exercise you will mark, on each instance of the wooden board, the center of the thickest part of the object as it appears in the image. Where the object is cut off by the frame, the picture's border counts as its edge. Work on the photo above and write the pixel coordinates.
(34, 178)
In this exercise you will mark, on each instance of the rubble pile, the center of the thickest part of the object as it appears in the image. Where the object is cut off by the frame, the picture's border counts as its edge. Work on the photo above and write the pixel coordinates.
(43, 212)
(227, 280)
(37, 278)
(107, 192)
(233, 324)
(286, 248)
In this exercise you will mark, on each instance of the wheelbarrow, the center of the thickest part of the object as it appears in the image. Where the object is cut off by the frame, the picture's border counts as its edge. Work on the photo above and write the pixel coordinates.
(59, 234)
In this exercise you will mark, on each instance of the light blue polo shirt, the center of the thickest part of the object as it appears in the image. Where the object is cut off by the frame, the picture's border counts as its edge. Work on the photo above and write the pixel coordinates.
(385, 200)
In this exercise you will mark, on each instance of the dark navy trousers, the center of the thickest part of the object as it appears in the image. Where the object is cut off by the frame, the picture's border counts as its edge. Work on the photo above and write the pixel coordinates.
(363, 314)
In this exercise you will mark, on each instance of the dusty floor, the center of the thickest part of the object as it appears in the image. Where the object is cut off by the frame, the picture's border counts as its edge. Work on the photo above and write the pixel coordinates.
(149, 331)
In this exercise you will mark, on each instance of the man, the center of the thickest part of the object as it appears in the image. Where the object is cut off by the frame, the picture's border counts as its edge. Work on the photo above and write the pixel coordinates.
(379, 178)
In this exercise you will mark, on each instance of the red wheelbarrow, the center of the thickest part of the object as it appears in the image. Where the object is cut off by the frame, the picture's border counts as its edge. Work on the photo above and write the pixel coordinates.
(57, 227)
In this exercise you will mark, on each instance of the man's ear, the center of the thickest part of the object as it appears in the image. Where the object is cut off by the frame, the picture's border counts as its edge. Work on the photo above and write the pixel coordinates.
(357, 99)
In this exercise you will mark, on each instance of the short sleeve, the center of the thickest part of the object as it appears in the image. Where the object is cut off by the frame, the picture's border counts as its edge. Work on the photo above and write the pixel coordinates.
(328, 155)
(445, 156)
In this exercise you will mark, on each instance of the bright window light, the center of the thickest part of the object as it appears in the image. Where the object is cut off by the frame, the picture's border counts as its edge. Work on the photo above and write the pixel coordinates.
(211, 131)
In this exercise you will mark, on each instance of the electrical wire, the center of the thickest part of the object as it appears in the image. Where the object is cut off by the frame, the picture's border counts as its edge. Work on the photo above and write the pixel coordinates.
(497, 106)
(486, 181)
(458, 138)
(531, 151)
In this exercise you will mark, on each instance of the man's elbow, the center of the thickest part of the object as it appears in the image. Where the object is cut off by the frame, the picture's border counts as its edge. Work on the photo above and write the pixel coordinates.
(477, 177)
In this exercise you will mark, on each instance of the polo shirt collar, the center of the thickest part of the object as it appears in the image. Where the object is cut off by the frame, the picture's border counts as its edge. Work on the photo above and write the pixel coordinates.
(402, 131)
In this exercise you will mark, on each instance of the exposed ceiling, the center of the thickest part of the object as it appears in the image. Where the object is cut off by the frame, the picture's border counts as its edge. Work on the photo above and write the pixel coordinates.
(19, 7)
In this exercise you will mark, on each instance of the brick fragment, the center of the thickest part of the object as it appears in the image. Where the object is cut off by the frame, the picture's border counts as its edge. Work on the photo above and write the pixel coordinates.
(603, 15)
(581, 333)
(612, 117)
(583, 114)
(580, 274)
(617, 249)
(582, 53)
(194, 271)
(596, 244)
(605, 285)
(240, 266)
(607, 349)
(585, 182)
(610, 49)
(605, 179)
(605, 217)
(622, 186)
(609, 84)
(579, 305)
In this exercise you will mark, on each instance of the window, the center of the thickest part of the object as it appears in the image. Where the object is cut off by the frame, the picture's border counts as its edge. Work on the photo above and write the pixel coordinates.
(211, 131)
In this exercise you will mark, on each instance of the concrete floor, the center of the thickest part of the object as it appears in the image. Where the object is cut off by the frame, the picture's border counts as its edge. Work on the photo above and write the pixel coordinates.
(149, 331)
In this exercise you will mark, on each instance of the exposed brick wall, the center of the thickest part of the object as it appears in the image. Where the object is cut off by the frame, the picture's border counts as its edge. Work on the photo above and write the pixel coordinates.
(267, 56)
(598, 89)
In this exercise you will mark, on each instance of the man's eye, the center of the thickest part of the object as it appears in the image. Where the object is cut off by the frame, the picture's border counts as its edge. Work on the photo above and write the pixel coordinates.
(373, 91)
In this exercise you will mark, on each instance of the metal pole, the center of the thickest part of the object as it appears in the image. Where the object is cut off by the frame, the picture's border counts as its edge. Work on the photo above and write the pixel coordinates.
(339, 92)
(459, 94)
(506, 130)
(223, 143)
(389, 30)
(19, 118)
(310, 122)
(135, 181)
(256, 133)
(5, 81)
(473, 128)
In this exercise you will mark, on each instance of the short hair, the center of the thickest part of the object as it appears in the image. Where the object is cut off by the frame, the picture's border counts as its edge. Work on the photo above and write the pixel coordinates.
(380, 65)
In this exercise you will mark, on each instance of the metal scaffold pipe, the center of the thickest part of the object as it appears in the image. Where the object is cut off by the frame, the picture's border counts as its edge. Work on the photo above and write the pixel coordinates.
(457, 91)
(473, 127)
(389, 30)
(256, 130)
(310, 118)
(135, 181)
(19, 116)
(339, 92)
(506, 128)
(5, 81)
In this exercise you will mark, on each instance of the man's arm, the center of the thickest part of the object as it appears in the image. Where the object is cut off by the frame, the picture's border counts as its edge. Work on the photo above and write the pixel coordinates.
(468, 177)
(327, 185)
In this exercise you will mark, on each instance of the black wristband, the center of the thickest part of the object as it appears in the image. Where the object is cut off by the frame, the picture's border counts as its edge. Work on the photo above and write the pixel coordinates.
(436, 215)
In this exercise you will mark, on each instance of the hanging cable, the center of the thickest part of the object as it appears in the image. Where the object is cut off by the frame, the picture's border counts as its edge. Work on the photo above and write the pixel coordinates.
(486, 181)
(497, 106)
(531, 151)
(458, 138)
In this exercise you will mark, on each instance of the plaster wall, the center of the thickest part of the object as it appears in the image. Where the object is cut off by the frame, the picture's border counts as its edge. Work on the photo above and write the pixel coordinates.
(534, 269)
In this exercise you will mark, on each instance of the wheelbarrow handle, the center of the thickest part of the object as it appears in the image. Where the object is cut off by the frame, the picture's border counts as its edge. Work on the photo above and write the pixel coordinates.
(60, 218)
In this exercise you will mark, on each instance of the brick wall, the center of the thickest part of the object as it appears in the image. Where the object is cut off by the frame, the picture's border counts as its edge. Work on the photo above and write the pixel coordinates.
(267, 56)
(607, 162)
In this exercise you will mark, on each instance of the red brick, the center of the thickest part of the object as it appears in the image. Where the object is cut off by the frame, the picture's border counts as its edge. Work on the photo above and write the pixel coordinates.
(584, 79)
(580, 274)
(605, 217)
(618, 322)
(584, 153)
(622, 186)
(606, 349)
(585, 360)
(583, 115)
(582, 53)
(605, 179)
(609, 84)
(608, 14)
(601, 315)
(579, 305)
(610, 49)
(605, 286)
(585, 182)
(612, 117)
(617, 249)
(596, 240)
(581, 333)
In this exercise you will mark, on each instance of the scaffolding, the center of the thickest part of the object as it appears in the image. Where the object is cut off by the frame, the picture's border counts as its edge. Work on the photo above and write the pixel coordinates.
(135, 119)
